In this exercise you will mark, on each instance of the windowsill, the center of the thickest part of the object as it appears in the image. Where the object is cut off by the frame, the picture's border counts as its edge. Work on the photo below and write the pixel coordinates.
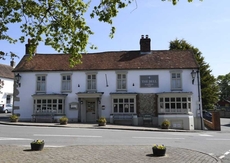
(179, 89)
(66, 91)
(173, 113)
(37, 92)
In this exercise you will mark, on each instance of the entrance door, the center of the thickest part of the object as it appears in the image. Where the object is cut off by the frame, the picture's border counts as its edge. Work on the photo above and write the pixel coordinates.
(90, 111)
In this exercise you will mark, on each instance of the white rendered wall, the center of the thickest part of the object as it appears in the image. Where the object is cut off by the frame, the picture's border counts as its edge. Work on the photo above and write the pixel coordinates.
(6, 90)
(53, 85)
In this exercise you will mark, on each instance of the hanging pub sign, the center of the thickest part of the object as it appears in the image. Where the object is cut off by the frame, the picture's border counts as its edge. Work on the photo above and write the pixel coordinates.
(147, 81)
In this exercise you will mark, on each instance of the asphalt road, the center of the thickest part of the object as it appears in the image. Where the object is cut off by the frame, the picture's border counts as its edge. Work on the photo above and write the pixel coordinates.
(216, 143)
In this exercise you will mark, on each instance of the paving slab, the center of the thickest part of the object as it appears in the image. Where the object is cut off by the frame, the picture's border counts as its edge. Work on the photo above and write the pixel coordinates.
(101, 154)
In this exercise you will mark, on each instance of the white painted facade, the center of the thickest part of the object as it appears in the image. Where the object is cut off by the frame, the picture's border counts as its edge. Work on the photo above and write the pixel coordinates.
(6, 93)
(103, 101)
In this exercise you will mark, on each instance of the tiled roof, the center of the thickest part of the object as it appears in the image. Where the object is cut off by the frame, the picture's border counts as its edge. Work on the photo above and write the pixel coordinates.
(6, 71)
(121, 60)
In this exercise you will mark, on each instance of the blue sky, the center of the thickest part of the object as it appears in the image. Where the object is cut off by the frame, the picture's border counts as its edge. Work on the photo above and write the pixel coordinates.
(205, 25)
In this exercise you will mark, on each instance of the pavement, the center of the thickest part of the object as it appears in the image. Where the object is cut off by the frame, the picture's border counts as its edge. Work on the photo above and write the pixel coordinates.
(100, 154)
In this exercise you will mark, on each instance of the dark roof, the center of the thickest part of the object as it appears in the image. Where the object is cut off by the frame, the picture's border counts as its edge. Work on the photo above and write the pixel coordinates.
(121, 60)
(6, 71)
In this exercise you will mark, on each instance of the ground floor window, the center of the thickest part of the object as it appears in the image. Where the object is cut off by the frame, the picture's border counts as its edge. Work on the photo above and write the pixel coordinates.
(49, 104)
(124, 103)
(174, 103)
(9, 99)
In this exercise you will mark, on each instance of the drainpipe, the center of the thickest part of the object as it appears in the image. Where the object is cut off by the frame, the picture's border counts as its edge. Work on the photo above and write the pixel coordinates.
(199, 97)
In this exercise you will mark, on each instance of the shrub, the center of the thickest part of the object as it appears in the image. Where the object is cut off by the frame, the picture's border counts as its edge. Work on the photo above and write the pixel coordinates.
(165, 124)
(63, 119)
(155, 146)
(38, 142)
(102, 120)
(13, 117)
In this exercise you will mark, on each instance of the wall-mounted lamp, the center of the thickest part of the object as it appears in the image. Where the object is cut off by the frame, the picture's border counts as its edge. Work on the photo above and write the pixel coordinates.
(133, 84)
(81, 102)
(78, 85)
(18, 78)
(193, 74)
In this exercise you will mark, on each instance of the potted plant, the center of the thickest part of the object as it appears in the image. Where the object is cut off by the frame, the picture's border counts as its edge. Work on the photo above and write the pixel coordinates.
(159, 150)
(14, 118)
(37, 145)
(101, 121)
(63, 120)
(165, 124)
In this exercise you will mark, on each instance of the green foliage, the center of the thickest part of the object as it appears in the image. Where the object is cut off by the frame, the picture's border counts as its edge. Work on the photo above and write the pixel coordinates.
(38, 142)
(60, 24)
(13, 117)
(155, 146)
(102, 120)
(209, 88)
(165, 123)
(223, 82)
(63, 119)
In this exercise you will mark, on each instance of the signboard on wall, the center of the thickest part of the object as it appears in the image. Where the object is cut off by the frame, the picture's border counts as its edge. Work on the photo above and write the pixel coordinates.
(147, 81)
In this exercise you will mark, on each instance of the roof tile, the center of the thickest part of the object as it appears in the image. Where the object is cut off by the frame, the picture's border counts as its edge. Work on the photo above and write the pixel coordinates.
(121, 60)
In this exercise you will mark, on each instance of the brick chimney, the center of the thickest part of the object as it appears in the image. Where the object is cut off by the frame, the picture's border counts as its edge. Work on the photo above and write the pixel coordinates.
(12, 63)
(145, 45)
(27, 48)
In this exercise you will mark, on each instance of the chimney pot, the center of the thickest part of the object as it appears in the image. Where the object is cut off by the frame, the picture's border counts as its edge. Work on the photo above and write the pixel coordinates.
(145, 44)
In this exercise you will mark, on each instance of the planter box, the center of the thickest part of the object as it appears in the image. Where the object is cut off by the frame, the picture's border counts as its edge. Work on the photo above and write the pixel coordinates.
(37, 147)
(159, 152)
(101, 124)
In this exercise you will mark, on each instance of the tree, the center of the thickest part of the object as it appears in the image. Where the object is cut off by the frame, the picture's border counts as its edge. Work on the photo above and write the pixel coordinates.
(59, 23)
(209, 88)
(223, 82)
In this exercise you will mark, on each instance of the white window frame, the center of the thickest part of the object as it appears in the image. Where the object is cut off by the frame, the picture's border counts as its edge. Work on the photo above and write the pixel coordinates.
(52, 104)
(41, 84)
(179, 103)
(176, 83)
(66, 85)
(122, 82)
(91, 82)
(126, 102)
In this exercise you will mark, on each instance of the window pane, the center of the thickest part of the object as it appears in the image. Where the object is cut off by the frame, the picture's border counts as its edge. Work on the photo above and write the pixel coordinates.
(120, 108)
(115, 100)
(131, 100)
(115, 108)
(120, 100)
(166, 99)
(132, 108)
(118, 76)
(126, 108)
(184, 99)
